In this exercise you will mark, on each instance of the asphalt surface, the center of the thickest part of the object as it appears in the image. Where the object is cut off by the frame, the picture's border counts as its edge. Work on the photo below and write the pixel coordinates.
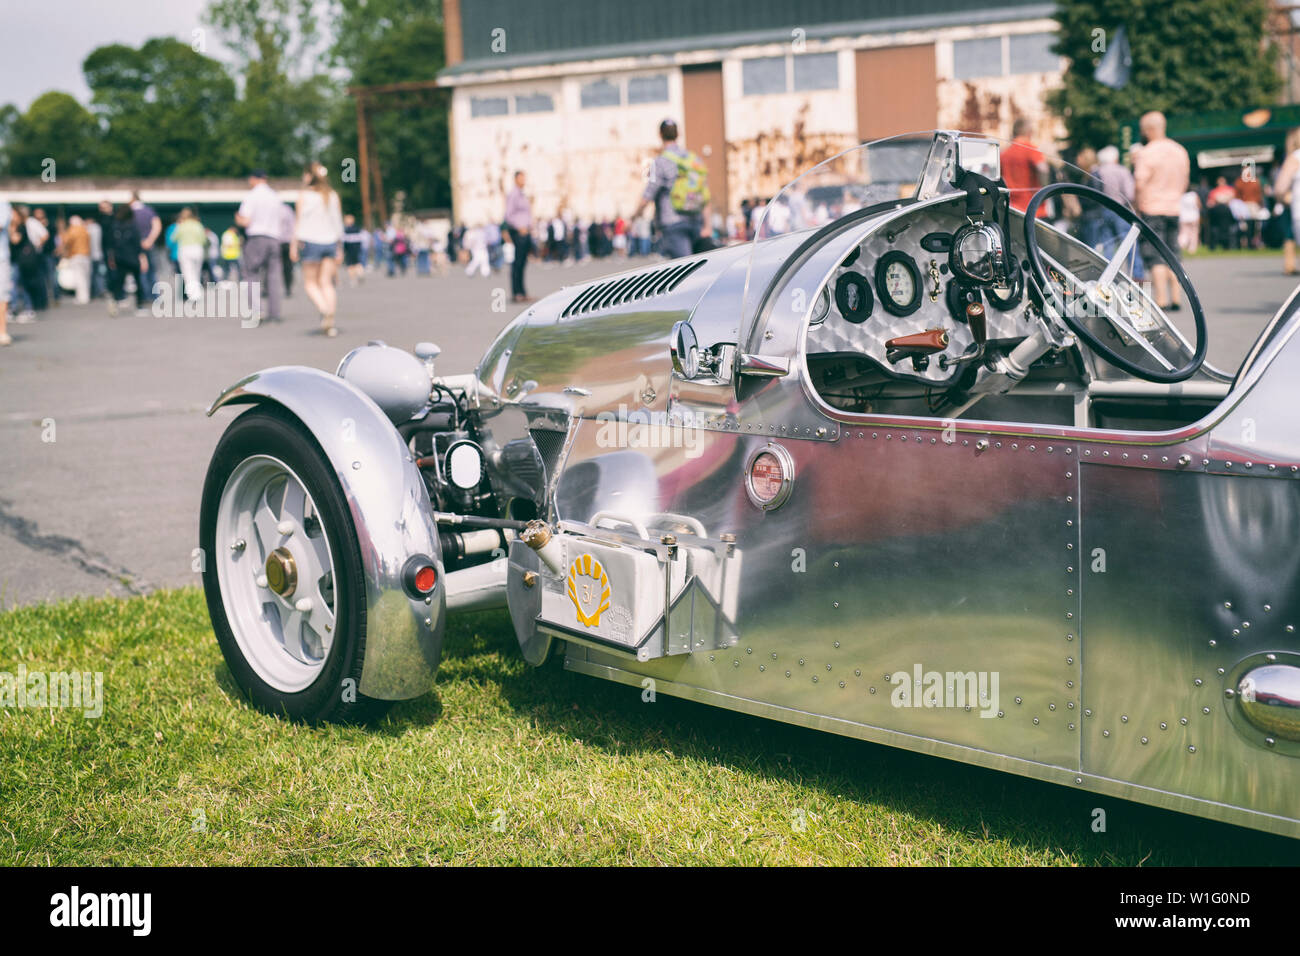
(110, 505)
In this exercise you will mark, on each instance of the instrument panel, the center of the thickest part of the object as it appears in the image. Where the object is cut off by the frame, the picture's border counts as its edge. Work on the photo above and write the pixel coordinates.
(894, 286)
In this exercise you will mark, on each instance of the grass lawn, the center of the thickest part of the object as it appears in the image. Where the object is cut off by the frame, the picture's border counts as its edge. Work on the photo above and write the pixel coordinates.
(501, 764)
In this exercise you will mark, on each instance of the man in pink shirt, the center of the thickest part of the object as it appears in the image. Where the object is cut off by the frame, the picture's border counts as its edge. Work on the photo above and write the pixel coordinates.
(1160, 173)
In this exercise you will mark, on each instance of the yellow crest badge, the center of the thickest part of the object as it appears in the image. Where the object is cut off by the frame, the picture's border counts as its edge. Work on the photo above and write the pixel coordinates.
(588, 589)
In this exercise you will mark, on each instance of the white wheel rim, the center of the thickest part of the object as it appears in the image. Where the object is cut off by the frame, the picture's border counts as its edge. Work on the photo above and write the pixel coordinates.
(285, 637)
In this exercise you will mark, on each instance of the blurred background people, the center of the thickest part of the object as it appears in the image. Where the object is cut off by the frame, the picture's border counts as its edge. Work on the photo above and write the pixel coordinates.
(125, 258)
(6, 275)
(288, 218)
(353, 247)
(681, 211)
(1189, 222)
(317, 242)
(149, 227)
(27, 266)
(232, 246)
(75, 253)
(259, 215)
(1286, 186)
(1161, 174)
(191, 245)
(519, 223)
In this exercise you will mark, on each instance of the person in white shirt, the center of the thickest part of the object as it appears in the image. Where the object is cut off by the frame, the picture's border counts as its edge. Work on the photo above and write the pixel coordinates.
(317, 242)
(476, 244)
(259, 217)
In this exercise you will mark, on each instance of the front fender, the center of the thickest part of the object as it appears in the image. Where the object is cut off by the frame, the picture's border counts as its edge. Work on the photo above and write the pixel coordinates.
(390, 511)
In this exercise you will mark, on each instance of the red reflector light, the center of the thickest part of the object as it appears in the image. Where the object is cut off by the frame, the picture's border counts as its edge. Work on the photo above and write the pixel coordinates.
(426, 578)
(766, 477)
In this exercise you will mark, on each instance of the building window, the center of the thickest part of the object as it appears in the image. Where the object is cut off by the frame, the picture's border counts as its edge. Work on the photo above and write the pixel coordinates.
(972, 59)
(1032, 53)
(600, 93)
(534, 103)
(765, 74)
(488, 106)
(817, 71)
(647, 89)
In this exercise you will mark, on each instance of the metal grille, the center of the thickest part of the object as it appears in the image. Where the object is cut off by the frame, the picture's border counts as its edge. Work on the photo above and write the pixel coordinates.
(638, 285)
(549, 443)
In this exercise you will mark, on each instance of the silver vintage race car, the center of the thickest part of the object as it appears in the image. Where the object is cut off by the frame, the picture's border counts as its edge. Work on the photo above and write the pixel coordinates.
(924, 464)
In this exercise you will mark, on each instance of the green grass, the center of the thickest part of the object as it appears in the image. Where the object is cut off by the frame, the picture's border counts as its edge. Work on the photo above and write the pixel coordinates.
(1205, 252)
(500, 764)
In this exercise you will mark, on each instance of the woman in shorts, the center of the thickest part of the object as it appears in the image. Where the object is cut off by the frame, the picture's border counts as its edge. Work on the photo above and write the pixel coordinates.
(317, 235)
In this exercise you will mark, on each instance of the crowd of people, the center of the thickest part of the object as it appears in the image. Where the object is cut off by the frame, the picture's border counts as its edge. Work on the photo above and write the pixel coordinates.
(1239, 207)
(124, 249)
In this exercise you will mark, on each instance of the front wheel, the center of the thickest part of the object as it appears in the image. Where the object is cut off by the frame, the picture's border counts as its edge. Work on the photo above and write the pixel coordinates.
(283, 576)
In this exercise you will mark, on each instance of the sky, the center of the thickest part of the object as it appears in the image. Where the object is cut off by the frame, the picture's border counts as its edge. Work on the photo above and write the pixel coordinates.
(45, 41)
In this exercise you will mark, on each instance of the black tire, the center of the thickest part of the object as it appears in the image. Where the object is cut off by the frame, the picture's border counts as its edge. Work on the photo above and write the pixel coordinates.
(333, 695)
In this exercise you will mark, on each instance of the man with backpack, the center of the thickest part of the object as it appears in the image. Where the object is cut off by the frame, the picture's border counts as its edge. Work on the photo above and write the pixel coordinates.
(678, 186)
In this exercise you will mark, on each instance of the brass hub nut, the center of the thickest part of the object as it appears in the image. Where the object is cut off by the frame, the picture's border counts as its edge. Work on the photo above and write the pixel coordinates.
(281, 572)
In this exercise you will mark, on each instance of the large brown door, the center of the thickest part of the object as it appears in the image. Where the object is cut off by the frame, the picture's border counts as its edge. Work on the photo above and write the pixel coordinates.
(897, 91)
(705, 132)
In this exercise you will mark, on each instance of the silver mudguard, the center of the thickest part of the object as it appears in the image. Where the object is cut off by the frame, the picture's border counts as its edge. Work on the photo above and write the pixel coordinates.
(390, 511)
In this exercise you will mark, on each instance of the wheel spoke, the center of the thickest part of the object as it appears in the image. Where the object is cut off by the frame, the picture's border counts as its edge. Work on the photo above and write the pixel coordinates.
(321, 622)
(265, 522)
(294, 505)
(316, 559)
(1112, 314)
(1112, 267)
(291, 625)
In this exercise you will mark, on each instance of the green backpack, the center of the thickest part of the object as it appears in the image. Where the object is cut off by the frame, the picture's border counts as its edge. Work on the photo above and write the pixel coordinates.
(690, 190)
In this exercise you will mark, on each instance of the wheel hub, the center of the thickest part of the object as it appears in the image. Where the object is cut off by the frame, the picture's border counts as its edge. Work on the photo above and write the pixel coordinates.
(281, 572)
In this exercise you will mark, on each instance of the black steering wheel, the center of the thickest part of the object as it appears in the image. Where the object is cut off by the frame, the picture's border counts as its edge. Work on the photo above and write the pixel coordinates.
(1102, 297)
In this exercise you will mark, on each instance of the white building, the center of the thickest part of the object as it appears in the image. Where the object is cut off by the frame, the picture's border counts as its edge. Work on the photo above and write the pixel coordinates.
(573, 93)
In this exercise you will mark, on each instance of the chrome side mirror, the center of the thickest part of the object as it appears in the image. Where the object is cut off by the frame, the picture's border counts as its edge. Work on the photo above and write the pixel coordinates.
(685, 349)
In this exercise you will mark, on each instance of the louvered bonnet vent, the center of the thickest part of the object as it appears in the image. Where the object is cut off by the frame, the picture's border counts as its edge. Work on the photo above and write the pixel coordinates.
(630, 288)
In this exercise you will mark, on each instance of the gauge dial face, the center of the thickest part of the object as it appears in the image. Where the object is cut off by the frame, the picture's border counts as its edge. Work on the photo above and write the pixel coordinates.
(853, 297)
(1008, 297)
(899, 283)
(822, 307)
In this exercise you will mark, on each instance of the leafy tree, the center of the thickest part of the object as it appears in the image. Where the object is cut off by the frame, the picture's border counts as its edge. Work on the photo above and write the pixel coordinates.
(169, 111)
(1188, 56)
(391, 41)
(286, 101)
(55, 127)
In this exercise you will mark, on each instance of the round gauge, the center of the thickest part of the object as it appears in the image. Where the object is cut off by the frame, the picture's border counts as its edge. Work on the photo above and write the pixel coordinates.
(853, 297)
(822, 307)
(1005, 298)
(957, 297)
(898, 281)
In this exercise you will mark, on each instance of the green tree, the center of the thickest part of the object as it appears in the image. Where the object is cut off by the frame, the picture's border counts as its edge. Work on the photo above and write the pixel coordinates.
(55, 127)
(1189, 56)
(169, 111)
(391, 41)
(286, 102)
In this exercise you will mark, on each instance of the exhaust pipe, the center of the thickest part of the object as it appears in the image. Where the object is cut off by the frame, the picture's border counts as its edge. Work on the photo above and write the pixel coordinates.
(479, 588)
(484, 586)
